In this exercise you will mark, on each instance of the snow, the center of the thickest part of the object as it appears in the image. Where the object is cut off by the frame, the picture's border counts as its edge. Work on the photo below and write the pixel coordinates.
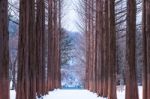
(12, 94)
(71, 94)
(78, 94)
(121, 93)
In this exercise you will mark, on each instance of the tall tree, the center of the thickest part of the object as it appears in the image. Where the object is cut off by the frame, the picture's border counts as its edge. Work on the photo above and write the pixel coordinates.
(56, 45)
(22, 79)
(99, 34)
(112, 51)
(40, 49)
(131, 81)
(146, 49)
(87, 45)
(53, 46)
(26, 80)
(50, 50)
(4, 50)
(31, 42)
(91, 46)
(106, 46)
(101, 46)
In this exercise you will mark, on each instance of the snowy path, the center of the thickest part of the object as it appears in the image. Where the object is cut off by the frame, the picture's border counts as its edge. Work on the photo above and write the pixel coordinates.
(77, 94)
(82, 94)
(71, 94)
(66, 94)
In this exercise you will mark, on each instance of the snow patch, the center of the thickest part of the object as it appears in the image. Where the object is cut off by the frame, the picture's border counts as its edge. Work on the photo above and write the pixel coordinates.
(78, 94)
(12, 94)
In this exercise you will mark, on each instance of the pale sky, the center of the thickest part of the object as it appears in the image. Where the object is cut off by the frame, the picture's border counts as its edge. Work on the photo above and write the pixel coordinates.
(70, 16)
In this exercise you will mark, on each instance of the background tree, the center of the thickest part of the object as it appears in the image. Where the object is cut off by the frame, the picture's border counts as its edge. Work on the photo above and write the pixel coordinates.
(26, 51)
(146, 40)
(54, 78)
(131, 81)
(40, 48)
(112, 51)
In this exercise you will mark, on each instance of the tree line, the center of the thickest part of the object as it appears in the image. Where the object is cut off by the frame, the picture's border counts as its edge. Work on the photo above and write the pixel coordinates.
(105, 22)
(39, 70)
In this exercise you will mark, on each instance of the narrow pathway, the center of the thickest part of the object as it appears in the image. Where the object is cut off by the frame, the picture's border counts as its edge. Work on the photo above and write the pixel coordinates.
(77, 94)
(71, 94)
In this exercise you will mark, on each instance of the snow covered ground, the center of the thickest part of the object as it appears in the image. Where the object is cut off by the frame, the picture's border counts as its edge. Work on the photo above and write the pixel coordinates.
(121, 93)
(78, 94)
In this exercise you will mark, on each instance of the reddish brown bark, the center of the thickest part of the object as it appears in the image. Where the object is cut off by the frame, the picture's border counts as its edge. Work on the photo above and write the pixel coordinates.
(40, 49)
(106, 57)
(26, 81)
(100, 50)
(144, 52)
(131, 81)
(101, 47)
(96, 50)
(23, 78)
(53, 47)
(112, 52)
(146, 45)
(32, 49)
(50, 41)
(89, 55)
(87, 46)
(56, 47)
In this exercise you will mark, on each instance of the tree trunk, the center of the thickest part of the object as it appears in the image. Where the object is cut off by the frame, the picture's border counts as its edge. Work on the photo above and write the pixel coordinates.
(146, 45)
(131, 81)
(22, 90)
(54, 79)
(40, 38)
(145, 96)
(87, 46)
(26, 81)
(106, 47)
(112, 51)
(50, 42)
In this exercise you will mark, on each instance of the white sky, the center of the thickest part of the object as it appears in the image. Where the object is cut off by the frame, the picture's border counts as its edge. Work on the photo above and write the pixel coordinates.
(70, 16)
